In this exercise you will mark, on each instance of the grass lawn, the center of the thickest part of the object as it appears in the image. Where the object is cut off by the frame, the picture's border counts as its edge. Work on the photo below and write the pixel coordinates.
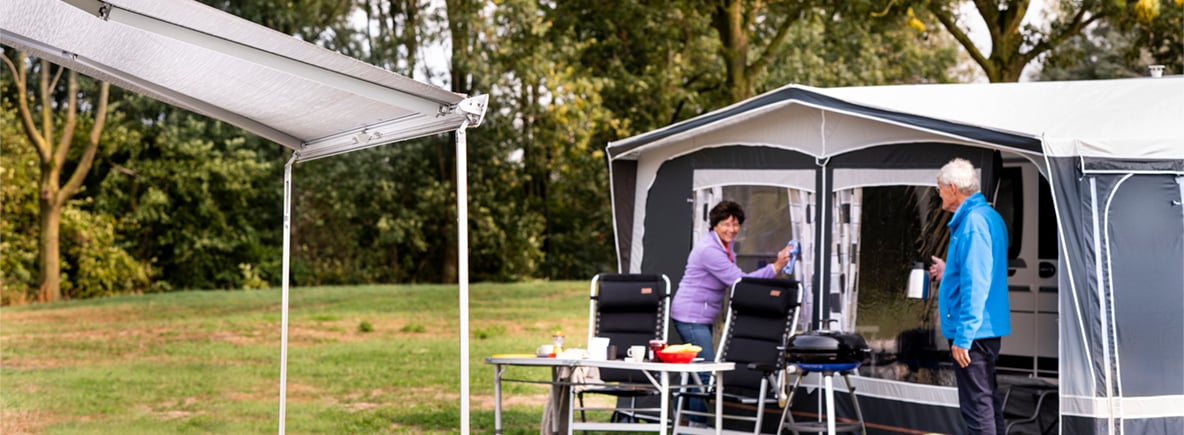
(370, 359)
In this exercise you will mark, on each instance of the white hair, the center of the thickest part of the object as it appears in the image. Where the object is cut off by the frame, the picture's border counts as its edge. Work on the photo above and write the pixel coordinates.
(960, 174)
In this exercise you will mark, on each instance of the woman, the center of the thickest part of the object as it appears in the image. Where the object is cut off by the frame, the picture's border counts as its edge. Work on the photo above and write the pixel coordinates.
(711, 270)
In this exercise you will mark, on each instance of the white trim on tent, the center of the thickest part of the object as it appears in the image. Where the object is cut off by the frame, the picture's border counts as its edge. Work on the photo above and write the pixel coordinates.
(1132, 407)
(801, 179)
(851, 178)
(934, 395)
(1108, 395)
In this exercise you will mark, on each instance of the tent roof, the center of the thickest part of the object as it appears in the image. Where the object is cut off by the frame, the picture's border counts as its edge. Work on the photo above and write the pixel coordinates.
(1129, 118)
(299, 95)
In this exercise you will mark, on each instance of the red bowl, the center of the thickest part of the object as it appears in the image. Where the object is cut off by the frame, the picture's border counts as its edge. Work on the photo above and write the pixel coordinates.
(677, 357)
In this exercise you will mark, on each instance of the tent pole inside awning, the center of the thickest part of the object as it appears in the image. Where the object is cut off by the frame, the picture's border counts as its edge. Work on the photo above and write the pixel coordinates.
(462, 252)
(284, 284)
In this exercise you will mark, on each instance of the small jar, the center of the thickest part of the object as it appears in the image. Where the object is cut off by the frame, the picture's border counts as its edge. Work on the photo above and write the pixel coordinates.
(557, 342)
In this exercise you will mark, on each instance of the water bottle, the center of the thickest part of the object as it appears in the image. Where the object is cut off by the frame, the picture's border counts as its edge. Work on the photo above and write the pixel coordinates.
(794, 250)
(918, 282)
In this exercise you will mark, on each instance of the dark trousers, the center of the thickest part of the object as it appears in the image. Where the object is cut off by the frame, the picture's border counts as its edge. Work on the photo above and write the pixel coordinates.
(982, 408)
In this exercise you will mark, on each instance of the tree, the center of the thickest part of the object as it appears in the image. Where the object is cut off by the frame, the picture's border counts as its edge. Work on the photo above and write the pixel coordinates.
(1014, 44)
(736, 22)
(199, 198)
(53, 147)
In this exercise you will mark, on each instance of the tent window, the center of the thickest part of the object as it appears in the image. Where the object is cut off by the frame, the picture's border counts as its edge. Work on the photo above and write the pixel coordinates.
(766, 226)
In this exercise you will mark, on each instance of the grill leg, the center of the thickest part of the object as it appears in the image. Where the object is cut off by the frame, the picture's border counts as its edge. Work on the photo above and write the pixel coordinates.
(785, 415)
(855, 402)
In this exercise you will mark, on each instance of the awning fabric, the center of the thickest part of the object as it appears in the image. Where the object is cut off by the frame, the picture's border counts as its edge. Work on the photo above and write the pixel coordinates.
(192, 56)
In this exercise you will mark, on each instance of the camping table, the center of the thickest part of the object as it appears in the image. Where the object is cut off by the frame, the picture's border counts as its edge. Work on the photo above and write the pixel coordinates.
(662, 382)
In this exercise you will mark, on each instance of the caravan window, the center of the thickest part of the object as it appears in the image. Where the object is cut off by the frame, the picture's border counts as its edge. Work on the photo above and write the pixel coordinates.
(1009, 202)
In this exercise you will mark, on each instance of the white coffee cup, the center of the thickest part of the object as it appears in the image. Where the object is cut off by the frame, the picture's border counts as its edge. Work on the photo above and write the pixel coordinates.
(636, 354)
(598, 348)
(545, 350)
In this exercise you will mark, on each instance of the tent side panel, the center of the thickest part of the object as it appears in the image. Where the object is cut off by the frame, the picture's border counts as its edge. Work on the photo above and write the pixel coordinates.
(1144, 242)
(624, 187)
(1080, 358)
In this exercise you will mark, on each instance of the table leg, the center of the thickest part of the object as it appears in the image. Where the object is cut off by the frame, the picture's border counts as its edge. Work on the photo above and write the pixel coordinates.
(664, 417)
(719, 402)
(830, 403)
(497, 399)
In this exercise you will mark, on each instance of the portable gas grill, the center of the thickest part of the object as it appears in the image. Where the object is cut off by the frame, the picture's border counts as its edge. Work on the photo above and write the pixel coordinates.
(826, 352)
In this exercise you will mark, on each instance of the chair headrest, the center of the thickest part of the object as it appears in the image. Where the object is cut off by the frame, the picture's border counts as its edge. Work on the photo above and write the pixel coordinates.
(628, 292)
(765, 296)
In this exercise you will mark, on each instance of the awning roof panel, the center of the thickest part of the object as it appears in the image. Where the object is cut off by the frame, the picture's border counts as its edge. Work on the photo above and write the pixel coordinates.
(294, 93)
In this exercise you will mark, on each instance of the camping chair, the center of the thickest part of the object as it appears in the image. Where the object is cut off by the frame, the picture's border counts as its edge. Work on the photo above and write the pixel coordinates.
(630, 310)
(761, 315)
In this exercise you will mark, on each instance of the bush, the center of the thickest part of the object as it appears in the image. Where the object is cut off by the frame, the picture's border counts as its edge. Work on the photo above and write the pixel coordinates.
(93, 265)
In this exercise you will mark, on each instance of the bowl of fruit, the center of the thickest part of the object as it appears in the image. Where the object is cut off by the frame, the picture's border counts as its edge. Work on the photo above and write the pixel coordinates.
(679, 353)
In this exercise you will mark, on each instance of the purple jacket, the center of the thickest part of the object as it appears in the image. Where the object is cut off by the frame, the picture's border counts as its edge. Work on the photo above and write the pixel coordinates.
(710, 273)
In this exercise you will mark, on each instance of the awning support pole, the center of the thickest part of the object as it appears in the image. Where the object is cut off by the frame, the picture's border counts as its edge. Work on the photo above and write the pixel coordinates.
(462, 262)
(284, 284)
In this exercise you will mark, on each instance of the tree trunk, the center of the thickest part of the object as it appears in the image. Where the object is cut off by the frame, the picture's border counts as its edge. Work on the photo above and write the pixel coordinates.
(728, 19)
(733, 20)
(50, 252)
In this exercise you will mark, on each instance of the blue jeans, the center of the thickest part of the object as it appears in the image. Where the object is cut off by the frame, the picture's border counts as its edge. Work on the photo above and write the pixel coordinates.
(982, 408)
(698, 334)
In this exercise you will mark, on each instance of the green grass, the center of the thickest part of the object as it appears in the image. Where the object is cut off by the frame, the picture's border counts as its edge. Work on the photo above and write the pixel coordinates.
(369, 359)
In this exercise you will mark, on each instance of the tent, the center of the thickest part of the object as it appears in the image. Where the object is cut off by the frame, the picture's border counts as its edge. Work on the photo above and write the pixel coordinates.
(1099, 325)
(311, 100)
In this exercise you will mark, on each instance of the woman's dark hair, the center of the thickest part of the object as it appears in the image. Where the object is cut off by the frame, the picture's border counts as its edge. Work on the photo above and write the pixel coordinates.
(723, 211)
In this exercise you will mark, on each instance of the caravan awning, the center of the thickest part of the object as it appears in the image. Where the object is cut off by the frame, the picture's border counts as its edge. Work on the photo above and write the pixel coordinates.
(1127, 118)
(304, 97)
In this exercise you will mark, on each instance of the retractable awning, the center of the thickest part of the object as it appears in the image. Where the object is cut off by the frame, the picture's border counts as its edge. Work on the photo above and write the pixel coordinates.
(189, 55)
(316, 102)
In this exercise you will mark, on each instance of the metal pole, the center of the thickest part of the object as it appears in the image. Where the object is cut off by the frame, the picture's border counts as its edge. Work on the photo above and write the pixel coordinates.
(462, 252)
(284, 286)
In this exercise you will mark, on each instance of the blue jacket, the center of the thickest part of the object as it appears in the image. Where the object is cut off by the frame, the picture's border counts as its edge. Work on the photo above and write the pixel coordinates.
(972, 298)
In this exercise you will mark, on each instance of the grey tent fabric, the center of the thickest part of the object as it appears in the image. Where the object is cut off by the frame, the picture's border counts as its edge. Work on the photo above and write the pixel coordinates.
(1112, 152)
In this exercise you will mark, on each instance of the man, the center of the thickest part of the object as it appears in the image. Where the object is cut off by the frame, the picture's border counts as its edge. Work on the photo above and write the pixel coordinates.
(972, 297)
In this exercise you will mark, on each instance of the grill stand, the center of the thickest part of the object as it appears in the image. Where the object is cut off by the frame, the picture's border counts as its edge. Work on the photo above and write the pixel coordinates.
(830, 427)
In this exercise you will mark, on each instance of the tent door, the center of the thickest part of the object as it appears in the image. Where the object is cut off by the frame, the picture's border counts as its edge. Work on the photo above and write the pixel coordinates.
(1025, 202)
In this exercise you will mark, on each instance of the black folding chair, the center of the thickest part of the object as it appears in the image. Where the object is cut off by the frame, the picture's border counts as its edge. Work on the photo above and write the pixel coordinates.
(629, 310)
(761, 316)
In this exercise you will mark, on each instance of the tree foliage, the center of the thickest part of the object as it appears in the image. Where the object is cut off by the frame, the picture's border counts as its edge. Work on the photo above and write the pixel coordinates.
(200, 201)
(198, 198)
(89, 262)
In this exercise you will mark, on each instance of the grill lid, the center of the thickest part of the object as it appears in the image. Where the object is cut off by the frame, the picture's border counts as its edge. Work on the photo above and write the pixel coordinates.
(826, 346)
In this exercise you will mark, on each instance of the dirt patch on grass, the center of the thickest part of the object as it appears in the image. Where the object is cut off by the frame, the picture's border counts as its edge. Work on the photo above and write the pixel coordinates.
(21, 422)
